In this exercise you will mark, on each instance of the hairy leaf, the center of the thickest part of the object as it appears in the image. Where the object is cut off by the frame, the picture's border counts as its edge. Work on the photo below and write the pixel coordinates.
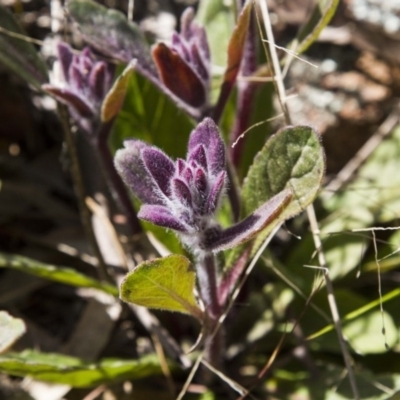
(161, 216)
(178, 76)
(291, 159)
(55, 273)
(246, 229)
(18, 54)
(61, 369)
(109, 32)
(164, 283)
(11, 329)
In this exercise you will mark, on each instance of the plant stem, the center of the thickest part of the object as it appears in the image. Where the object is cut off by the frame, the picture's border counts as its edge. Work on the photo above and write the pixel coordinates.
(273, 59)
(208, 286)
(207, 275)
(80, 192)
(117, 187)
(331, 299)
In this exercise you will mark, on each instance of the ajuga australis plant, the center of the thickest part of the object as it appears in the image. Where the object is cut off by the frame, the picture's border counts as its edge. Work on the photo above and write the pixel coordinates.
(182, 195)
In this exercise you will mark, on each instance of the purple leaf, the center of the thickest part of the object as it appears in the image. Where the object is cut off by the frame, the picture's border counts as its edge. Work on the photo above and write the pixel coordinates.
(199, 156)
(159, 215)
(246, 229)
(86, 58)
(200, 181)
(180, 47)
(129, 164)
(188, 175)
(182, 192)
(181, 165)
(76, 78)
(215, 193)
(199, 62)
(160, 166)
(70, 98)
(186, 23)
(203, 43)
(207, 134)
(65, 56)
(98, 80)
(178, 76)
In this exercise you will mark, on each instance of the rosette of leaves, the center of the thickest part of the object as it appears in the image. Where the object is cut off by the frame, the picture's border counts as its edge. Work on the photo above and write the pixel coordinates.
(184, 196)
(85, 86)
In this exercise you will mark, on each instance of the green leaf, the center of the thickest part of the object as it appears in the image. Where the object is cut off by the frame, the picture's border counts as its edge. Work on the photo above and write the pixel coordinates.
(359, 312)
(11, 329)
(164, 283)
(61, 369)
(111, 33)
(56, 273)
(17, 53)
(320, 17)
(365, 333)
(116, 96)
(151, 116)
(291, 159)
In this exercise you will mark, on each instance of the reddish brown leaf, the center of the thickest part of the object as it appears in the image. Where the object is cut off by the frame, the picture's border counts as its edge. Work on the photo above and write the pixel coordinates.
(236, 44)
(178, 77)
(235, 54)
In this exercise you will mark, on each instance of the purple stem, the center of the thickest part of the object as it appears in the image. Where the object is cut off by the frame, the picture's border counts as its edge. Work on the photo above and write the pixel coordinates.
(208, 286)
(245, 102)
(246, 92)
(207, 275)
(230, 278)
(117, 187)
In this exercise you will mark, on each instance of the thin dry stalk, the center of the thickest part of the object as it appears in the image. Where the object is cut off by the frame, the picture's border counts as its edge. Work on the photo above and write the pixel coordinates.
(277, 73)
(331, 299)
